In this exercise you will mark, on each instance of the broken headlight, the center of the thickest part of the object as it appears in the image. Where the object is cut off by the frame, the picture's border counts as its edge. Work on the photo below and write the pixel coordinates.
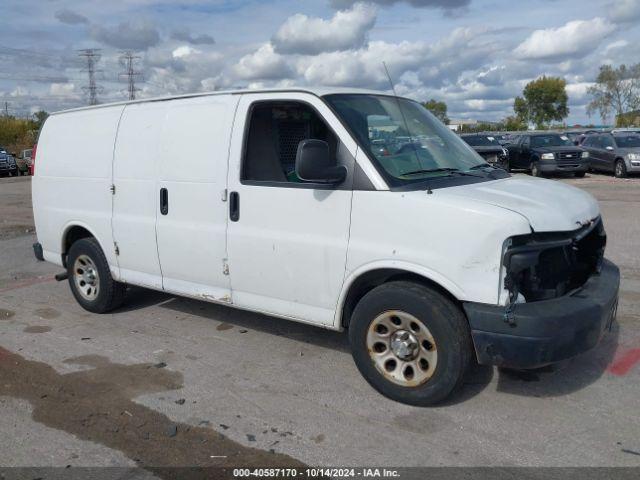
(541, 266)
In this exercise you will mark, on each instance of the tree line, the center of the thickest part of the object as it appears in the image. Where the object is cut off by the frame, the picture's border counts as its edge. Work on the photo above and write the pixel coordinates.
(17, 134)
(615, 95)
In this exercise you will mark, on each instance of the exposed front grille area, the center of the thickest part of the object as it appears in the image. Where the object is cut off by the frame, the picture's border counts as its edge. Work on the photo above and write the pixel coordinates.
(545, 266)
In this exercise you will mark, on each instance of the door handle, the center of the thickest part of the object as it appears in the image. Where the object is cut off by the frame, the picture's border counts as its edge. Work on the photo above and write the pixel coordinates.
(234, 206)
(164, 201)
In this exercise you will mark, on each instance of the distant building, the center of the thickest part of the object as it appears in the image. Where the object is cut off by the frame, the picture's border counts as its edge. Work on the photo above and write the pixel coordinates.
(457, 125)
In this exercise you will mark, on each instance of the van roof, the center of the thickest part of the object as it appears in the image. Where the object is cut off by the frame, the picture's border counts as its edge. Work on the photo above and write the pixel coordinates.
(317, 91)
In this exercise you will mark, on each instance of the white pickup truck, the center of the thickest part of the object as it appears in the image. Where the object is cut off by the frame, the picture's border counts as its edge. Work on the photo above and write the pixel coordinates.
(344, 209)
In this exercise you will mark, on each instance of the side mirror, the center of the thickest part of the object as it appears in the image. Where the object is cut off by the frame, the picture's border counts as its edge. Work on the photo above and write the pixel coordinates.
(313, 163)
(609, 147)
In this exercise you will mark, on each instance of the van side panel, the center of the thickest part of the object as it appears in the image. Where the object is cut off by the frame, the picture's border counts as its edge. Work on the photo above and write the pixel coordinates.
(73, 178)
(135, 203)
(193, 170)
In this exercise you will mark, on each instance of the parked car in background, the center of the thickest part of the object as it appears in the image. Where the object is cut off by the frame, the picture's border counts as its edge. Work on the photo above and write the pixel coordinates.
(575, 136)
(32, 165)
(626, 130)
(489, 148)
(24, 161)
(547, 153)
(8, 164)
(502, 138)
(614, 152)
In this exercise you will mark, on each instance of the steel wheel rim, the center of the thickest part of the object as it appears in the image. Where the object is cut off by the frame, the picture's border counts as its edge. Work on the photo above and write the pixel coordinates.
(619, 169)
(402, 348)
(86, 278)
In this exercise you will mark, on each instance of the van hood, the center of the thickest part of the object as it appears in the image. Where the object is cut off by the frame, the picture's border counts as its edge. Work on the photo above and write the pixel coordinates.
(547, 205)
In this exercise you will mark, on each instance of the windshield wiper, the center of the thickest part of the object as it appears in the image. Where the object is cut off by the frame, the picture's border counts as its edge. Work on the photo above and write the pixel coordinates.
(449, 170)
(430, 170)
(482, 165)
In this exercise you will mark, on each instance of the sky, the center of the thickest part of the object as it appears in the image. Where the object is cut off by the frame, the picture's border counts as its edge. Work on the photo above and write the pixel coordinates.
(476, 55)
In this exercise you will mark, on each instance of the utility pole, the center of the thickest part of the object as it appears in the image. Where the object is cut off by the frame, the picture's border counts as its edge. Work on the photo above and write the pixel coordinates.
(92, 55)
(6, 109)
(130, 74)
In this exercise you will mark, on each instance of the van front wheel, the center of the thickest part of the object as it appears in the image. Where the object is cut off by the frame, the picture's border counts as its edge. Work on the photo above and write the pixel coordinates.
(90, 279)
(410, 342)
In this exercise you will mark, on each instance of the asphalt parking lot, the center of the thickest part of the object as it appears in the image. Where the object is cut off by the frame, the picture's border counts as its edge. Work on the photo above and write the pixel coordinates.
(166, 380)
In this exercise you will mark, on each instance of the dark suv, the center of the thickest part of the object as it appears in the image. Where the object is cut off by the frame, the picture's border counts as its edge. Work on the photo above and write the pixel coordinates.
(7, 163)
(618, 152)
(488, 147)
(545, 153)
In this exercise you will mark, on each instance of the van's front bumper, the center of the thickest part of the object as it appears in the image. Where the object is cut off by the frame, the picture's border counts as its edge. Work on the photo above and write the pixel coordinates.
(539, 333)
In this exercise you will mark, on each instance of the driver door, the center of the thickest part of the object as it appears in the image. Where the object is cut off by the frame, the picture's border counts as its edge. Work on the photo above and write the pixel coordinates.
(287, 239)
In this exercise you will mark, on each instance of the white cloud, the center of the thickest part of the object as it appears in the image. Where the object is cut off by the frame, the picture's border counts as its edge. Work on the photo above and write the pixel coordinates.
(578, 91)
(263, 64)
(615, 45)
(574, 39)
(443, 4)
(19, 91)
(305, 35)
(62, 89)
(184, 51)
(363, 67)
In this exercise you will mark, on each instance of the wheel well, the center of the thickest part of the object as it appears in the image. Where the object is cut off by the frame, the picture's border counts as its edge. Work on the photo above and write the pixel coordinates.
(74, 234)
(374, 278)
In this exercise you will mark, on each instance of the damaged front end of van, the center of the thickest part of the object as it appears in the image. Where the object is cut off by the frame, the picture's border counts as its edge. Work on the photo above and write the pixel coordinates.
(561, 296)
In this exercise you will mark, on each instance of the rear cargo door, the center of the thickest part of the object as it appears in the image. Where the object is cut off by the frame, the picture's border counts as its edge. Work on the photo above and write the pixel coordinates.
(191, 195)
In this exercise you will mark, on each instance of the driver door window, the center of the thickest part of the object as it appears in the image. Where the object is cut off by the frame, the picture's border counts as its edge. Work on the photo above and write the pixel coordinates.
(274, 133)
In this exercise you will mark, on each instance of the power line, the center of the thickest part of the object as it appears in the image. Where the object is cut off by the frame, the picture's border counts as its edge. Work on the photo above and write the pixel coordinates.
(92, 56)
(127, 59)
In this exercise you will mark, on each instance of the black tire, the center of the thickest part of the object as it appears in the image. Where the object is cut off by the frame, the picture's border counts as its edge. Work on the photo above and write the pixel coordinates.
(580, 174)
(504, 164)
(535, 170)
(110, 293)
(620, 169)
(443, 319)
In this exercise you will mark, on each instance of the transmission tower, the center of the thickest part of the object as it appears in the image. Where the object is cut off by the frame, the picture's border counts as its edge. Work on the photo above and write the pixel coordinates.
(130, 74)
(92, 55)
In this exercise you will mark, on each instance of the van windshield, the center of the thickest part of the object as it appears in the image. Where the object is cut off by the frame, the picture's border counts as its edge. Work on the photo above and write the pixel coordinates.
(406, 141)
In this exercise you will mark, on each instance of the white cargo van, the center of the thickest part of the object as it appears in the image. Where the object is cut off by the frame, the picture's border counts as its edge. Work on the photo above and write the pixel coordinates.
(343, 209)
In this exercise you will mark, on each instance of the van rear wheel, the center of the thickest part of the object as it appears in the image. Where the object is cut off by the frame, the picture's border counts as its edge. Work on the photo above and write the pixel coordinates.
(90, 278)
(410, 342)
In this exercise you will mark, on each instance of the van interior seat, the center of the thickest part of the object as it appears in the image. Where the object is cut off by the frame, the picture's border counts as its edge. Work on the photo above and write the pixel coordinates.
(275, 132)
(262, 162)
